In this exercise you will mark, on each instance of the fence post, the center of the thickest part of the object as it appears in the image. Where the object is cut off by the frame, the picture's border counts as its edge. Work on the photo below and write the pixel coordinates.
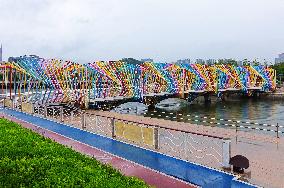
(72, 115)
(3, 101)
(45, 111)
(53, 109)
(33, 108)
(236, 132)
(226, 153)
(277, 129)
(21, 102)
(136, 110)
(156, 138)
(112, 128)
(13, 103)
(61, 114)
(83, 119)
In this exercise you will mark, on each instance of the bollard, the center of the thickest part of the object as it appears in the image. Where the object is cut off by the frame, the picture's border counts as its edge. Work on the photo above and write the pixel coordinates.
(61, 114)
(226, 153)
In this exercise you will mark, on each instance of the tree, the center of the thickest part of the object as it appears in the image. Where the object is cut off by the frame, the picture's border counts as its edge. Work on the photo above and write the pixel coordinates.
(131, 61)
(279, 70)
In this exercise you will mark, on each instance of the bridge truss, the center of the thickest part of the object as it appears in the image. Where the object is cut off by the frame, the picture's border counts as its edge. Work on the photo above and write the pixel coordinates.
(52, 80)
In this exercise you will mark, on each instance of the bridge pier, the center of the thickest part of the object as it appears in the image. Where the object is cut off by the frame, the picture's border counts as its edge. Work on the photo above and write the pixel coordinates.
(223, 96)
(207, 98)
(256, 94)
(192, 96)
(151, 101)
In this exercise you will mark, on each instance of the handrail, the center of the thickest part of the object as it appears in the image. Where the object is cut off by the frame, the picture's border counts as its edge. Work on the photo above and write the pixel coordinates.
(160, 126)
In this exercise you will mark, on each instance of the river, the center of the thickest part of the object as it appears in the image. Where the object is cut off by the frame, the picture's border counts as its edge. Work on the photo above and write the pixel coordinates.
(224, 114)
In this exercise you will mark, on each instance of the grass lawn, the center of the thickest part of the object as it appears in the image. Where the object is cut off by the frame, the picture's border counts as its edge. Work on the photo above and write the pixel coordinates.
(30, 160)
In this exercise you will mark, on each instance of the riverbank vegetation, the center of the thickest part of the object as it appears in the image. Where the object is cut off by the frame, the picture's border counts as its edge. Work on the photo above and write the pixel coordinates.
(279, 71)
(30, 160)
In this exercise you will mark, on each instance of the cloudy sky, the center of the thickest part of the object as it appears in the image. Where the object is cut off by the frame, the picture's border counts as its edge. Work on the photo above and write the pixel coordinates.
(166, 30)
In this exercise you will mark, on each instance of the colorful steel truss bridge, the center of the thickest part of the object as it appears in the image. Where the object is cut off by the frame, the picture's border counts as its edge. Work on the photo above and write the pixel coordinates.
(52, 80)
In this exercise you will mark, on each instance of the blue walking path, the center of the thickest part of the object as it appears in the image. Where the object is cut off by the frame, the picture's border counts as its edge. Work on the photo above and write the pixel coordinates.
(187, 171)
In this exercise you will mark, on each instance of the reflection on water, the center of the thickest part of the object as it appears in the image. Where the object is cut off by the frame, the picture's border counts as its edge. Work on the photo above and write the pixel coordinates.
(252, 110)
(133, 108)
(246, 110)
(172, 104)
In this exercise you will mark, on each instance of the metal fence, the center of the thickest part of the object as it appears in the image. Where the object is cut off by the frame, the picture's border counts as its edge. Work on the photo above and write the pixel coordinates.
(276, 129)
(204, 149)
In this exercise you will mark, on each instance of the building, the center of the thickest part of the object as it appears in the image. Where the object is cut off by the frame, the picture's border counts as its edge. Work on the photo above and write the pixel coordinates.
(211, 61)
(147, 60)
(200, 61)
(1, 54)
(240, 63)
(279, 59)
(185, 61)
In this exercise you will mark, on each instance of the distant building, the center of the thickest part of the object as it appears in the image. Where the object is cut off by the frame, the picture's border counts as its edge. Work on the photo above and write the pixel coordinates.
(200, 61)
(12, 59)
(147, 60)
(1, 54)
(240, 63)
(279, 59)
(185, 61)
(211, 61)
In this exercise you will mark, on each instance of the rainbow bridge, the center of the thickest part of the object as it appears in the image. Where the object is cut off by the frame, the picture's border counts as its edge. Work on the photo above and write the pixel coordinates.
(57, 81)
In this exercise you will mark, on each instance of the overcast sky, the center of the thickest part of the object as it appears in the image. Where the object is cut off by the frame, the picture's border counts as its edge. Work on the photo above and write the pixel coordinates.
(166, 30)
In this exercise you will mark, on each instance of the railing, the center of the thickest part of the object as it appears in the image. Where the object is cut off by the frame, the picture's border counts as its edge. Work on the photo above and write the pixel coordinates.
(200, 148)
(205, 149)
(73, 117)
(59, 113)
(237, 125)
(276, 129)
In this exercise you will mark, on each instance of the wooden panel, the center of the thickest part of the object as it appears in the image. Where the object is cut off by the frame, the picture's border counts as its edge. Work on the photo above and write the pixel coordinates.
(135, 133)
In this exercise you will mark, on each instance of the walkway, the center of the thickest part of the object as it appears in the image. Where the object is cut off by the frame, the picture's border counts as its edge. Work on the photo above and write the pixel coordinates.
(186, 171)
